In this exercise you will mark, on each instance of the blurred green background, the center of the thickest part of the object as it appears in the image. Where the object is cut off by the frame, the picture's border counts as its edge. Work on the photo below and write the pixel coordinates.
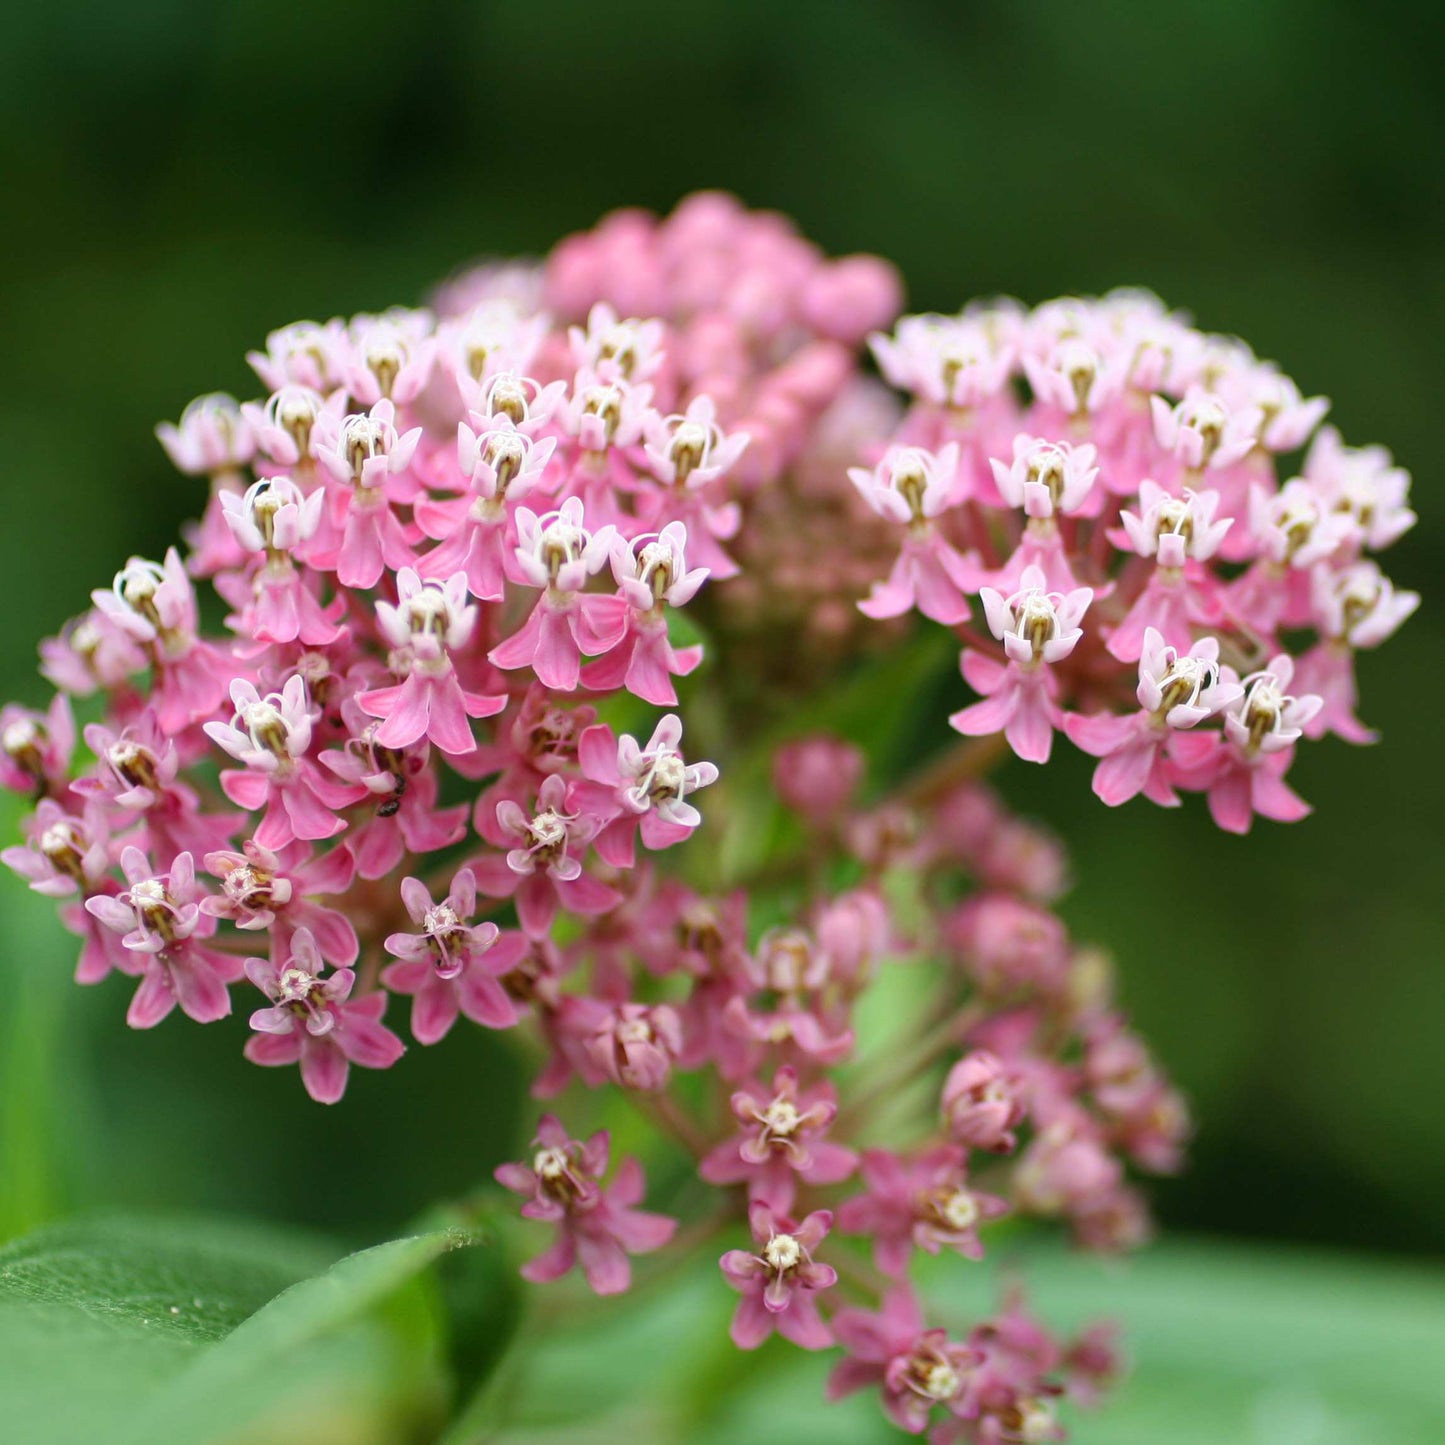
(180, 178)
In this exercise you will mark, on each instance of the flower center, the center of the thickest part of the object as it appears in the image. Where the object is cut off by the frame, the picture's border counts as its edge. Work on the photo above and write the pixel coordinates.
(781, 1117)
(782, 1253)
(550, 1164)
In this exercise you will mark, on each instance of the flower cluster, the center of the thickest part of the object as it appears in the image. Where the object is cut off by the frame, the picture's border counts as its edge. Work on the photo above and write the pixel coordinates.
(1111, 485)
(426, 754)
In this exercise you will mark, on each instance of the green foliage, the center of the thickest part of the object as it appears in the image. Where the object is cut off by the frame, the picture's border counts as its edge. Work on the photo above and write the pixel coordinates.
(194, 1331)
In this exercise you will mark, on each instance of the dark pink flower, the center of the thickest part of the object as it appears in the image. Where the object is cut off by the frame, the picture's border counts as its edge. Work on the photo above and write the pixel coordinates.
(780, 1141)
(779, 1282)
(915, 1369)
(982, 1103)
(596, 1227)
(922, 1200)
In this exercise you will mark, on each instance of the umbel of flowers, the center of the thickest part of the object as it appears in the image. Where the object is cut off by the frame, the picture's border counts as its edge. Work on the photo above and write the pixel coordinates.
(454, 546)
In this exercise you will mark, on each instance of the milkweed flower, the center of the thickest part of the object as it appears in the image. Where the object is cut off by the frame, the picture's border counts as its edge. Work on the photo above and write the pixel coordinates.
(484, 564)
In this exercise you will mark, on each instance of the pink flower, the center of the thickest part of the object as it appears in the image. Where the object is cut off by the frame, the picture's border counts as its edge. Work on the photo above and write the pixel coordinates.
(652, 574)
(261, 889)
(596, 1227)
(1037, 628)
(277, 603)
(388, 356)
(817, 776)
(451, 965)
(1175, 691)
(947, 360)
(304, 353)
(1045, 478)
(271, 735)
(690, 449)
(1202, 431)
(558, 554)
(1009, 944)
(1243, 771)
(365, 456)
(35, 748)
(283, 425)
(647, 788)
(544, 871)
(429, 622)
(136, 776)
(910, 484)
(1363, 482)
(315, 1021)
(778, 1282)
(163, 924)
(1065, 1170)
(503, 464)
(611, 347)
(982, 1103)
(913, 486)
(791, 1003)
(156, 606)
(213, 436)
(914, 1368)
(780, 1141)
(635, 1045)
(923, 1200)
(64, 857)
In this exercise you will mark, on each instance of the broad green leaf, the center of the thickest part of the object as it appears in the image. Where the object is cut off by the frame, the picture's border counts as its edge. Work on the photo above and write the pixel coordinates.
(196, 1332)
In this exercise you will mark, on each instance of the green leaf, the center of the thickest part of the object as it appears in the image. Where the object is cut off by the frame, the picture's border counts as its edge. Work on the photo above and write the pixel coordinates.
(193, 1331)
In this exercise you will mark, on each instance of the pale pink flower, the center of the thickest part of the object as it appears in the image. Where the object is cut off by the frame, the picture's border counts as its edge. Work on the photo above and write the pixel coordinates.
(910, 484)
(690, 449)
(213, 436)
(451, 965)
(652, 574)
(364, 455)
(303, 354)
(1176, 690)
(557, 553)
(315, 1022)
(1037, 628)
(1243, 771)
(646, 787)
(428, 623)
(35, 747)
(1203, 432)
(1047, 478)
(163, 927)
(1363, 482)
(271, 736)
(388, 356)
(156, 605)
(609, 346)
(955, 361)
